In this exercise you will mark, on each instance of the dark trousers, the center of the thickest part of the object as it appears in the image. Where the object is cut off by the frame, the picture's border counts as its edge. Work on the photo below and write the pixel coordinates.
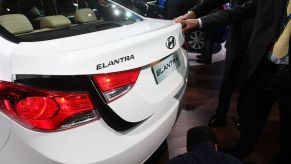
(267, 86)
(232, 67)
(209, 43)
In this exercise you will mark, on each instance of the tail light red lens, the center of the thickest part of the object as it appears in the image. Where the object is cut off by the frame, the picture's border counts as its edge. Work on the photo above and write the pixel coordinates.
(44, 110)
(73, 103)
(36, 108)
(114, 85)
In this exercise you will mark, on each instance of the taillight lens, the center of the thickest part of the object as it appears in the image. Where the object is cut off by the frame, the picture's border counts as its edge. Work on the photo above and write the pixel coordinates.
(114, 85)
(36, 108)
(45, 110)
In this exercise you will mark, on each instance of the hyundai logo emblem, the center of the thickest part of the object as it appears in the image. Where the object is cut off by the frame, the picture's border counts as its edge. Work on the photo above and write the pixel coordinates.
(171, 42)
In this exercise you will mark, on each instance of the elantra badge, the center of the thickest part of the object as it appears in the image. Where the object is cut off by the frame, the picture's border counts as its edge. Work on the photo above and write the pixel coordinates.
(114, 62)
(171, 42)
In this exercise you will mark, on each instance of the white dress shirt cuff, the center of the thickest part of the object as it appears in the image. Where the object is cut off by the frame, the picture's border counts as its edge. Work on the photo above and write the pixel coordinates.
(200, 23)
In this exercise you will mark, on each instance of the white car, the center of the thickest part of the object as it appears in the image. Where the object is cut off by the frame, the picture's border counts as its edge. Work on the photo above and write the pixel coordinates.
(86, 81)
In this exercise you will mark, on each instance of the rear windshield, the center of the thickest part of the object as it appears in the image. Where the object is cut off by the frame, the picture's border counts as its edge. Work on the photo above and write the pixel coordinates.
(38, 20)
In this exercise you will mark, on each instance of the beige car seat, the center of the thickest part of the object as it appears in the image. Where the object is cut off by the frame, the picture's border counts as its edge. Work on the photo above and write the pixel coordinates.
(56, 21)
(16, 23)
(85, 15)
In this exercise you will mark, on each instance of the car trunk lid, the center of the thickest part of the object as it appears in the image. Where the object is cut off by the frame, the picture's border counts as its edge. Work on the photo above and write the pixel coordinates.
(133, 46)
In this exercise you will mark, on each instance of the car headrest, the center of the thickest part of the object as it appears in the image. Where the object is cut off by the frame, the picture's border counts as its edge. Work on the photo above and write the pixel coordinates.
(34, 12)
(16, 23)
(56, 21)
(85, 15)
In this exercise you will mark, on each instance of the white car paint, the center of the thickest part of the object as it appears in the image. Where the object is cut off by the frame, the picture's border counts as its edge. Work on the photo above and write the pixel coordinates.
(82, 58)
(4, 131)
(155, 105)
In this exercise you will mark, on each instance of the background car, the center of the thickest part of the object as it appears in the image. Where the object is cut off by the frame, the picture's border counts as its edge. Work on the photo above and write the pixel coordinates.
(174, 8)
(85, 81)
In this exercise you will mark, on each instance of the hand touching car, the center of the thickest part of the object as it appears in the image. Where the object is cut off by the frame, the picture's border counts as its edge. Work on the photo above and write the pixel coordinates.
(188, 15)
(188, 21)
(188, 24)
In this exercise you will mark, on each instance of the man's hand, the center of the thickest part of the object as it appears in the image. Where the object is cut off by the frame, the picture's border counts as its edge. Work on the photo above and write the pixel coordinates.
(188, 24)
(189, 15)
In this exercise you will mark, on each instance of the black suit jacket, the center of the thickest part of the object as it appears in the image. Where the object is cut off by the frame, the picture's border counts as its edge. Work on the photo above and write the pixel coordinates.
(206, 6)
(238, 37)
(240, 31)
(267, 15)
(175, 8)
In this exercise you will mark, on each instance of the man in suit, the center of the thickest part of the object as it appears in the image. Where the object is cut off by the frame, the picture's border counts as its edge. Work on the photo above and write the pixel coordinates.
(176, 8)
(236, 45)
(266, 69)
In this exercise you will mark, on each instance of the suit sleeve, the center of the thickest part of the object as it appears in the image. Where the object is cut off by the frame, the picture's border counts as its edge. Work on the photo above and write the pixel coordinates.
(207, 6)
(245, 11)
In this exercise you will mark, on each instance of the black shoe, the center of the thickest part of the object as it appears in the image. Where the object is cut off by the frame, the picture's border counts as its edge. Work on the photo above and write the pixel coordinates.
(216, 122)
(204, 60)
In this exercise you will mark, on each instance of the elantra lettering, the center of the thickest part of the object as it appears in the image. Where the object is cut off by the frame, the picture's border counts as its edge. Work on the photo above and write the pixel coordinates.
(114, 62)
(167, 66)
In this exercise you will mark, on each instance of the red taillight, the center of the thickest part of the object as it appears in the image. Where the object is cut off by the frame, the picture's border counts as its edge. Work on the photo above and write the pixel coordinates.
(36, 108)
(72, 103)
(113, 85)
(39, 109)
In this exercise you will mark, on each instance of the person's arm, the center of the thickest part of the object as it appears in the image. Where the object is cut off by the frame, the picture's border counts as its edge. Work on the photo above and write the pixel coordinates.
(207, 6)
(201, 9)
(244, 11)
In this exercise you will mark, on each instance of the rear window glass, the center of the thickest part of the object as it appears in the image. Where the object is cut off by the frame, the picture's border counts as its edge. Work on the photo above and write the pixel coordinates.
(38, 20)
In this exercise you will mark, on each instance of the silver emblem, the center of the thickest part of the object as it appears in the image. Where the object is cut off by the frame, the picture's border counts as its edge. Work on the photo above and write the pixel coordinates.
(171, 42)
